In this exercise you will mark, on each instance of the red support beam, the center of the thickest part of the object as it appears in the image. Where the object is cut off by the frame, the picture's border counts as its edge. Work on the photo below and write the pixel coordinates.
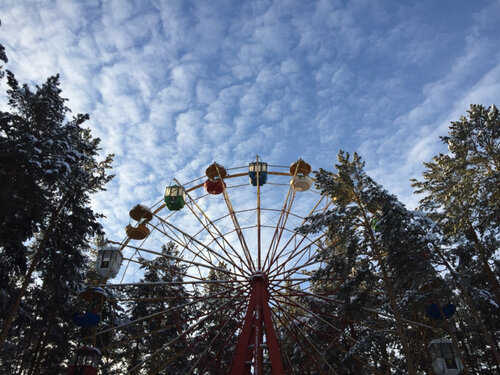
(258, 323)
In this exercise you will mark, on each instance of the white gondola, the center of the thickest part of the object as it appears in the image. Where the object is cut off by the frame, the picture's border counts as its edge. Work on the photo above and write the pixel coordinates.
(444, 358)
(301, 183)
(109, 260)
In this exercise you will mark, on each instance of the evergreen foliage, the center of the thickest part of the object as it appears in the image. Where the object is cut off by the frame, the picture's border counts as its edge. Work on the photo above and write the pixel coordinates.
(48, 171)
(215, 340)
(462, 194)
(169, 318)
(375, 260)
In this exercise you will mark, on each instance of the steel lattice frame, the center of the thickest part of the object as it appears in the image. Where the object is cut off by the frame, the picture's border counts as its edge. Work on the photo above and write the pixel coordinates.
(259, 284)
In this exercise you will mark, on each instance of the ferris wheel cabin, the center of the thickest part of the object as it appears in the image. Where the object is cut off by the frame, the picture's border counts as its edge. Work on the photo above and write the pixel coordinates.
(175, 197)
(85, 362)
(257, 173)
(215, 184)
(109, 260)
(300, 171)
(444, 357)
(141, 213)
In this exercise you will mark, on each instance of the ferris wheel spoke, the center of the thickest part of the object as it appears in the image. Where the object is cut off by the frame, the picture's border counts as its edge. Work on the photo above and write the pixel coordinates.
(178, 323)
(124, 244)
(199, 339)
(178, 337)
(296, 251)
(318, 352)
(223, 270)
(280, 225)
(195, 240)
(284, 353)
(204, 317)
(198, 252)
(259, 245)
(312, 258)
(289, 285)
(120, 326)
(313, 210)
(310, 355)
(184, 245)
(211, 224)
(348, 337)
(291, 303)
(280, 269)
(156, 283)
(225, 343)
(327, 299)
(219, 330)
(316, 331)
(305, 309)
(291, 335)
(182, 242)
(239, 232)
(173, 270)
(301, 265)
(146, 334)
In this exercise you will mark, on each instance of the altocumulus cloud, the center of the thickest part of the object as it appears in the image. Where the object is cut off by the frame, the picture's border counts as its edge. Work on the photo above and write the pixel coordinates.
(173, 86)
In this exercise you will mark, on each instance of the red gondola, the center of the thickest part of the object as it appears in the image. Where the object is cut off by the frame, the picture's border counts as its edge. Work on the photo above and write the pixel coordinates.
(214, 186)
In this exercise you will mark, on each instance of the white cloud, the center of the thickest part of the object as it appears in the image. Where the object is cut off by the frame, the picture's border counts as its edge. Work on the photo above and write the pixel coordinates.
(172, 87)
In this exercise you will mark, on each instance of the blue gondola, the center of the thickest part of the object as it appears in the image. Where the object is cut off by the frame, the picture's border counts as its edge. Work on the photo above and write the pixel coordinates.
(257, 173)
(433, 312)
(88, 319)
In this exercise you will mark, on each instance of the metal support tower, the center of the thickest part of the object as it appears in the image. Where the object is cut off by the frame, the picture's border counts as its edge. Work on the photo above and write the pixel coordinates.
(257, 325)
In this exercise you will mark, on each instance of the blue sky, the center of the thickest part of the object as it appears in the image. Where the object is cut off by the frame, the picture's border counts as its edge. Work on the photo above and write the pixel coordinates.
(172, 86)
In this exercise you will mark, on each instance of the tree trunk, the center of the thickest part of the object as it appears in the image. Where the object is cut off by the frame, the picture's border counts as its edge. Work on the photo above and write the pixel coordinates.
(392, 298)
(454, 341)
(495, 285)
(399, 321)
(34, 263)
(35, 353)
(43, 346)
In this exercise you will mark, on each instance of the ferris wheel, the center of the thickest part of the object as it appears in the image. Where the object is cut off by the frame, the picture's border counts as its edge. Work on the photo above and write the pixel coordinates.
(238, 251)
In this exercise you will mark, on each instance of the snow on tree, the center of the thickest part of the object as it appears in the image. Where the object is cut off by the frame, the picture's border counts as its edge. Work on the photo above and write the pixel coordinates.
(376, 258)
(153, 334)
(214, 342)
(462, 194)
(49, 168)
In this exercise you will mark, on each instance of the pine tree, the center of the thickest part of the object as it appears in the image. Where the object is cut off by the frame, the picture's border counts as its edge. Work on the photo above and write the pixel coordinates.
(463, 189)
(462, 194)
(153, 335)
(48, 170)
(3, 57)
(215, 340)
(376, 258)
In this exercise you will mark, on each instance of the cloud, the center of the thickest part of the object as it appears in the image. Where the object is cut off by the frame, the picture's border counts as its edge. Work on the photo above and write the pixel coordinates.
(171, 87)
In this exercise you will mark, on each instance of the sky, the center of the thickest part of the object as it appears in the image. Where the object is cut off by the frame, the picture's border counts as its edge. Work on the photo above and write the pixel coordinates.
(172, 86)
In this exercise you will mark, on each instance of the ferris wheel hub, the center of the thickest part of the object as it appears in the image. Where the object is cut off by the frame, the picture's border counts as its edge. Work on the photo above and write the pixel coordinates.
(259, 276)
